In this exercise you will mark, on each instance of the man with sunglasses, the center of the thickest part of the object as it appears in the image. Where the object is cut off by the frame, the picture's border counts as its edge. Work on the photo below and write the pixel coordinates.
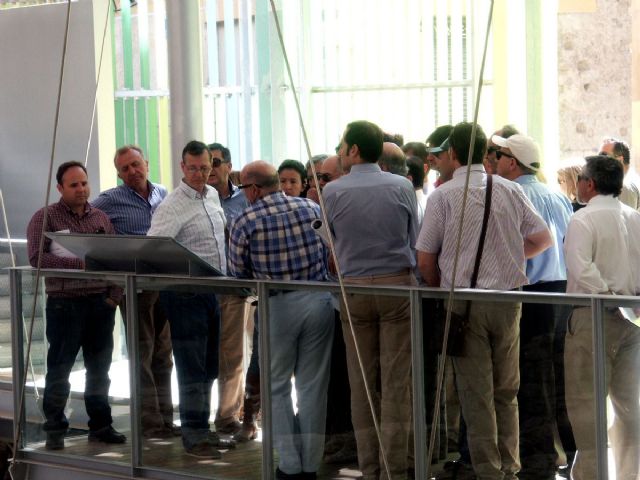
(192, 215)
(234, 309)
(490, 161)
(272, 239)
(518, 159)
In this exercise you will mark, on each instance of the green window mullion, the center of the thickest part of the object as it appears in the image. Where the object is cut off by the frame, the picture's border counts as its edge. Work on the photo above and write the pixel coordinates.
(119, 111)
(130, 120)
(153, 150)
(141, 123)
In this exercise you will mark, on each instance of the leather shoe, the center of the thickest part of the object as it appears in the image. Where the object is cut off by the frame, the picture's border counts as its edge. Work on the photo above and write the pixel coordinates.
(248, 433)
(55, 440)
(203, 450)
(107, 435)
(218, 442)
(230, 428)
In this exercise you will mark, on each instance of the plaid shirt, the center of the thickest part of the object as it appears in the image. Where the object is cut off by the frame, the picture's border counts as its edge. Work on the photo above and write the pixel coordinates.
(273, 239)
(61, 217)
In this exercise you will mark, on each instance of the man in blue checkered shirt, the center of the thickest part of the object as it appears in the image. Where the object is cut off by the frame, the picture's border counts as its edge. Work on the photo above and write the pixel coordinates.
(273, 239)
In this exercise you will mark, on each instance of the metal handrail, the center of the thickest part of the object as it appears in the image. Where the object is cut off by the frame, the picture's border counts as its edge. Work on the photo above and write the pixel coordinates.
(132, 281)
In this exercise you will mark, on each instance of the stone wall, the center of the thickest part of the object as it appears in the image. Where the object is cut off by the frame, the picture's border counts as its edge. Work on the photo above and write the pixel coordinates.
(594, 76)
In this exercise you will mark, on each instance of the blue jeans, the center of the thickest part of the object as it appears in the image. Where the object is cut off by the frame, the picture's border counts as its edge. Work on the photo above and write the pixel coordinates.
(301, 327)
(194, 319)
(72, 323)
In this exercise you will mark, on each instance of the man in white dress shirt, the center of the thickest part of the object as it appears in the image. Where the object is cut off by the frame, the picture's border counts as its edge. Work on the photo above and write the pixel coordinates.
(193, 215)
(603, 256)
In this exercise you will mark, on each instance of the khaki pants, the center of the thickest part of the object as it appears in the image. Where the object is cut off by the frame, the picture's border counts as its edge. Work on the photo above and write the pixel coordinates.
(234, 311)
(487, 376)
(156, 363)
(383, 332)
(622, 348)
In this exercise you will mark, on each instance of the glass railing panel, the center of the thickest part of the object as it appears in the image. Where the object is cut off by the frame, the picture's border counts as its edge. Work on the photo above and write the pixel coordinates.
(203, 343)
(76, 398)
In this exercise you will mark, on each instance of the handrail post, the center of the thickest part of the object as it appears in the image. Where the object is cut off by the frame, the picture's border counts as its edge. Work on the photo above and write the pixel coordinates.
(17, 353)
(134, 371)
(417, 354)
(265, 379)
(600, 388)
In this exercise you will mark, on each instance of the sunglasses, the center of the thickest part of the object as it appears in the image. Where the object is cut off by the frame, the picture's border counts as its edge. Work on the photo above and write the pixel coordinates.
(500, 154)
(216, 162)
(325, 177)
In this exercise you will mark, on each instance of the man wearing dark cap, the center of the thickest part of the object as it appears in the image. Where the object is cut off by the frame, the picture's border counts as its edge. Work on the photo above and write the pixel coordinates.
(518, 159)
(438, 149)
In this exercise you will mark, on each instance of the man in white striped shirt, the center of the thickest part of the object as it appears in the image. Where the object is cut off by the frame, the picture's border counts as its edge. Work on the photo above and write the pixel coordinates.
(192, 214)
(487, 373)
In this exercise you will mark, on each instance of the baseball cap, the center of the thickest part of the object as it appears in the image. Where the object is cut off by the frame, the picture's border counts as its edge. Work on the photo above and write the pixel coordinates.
(443, 147)
(522, 147)
(436, 141)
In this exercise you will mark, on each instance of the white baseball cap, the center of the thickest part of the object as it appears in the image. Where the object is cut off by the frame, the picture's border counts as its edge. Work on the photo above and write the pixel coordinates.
(522, 147)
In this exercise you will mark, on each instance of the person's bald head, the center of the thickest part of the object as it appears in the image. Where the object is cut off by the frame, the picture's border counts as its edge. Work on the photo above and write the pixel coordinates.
(393, 159)
(330, 170)
(258, 179)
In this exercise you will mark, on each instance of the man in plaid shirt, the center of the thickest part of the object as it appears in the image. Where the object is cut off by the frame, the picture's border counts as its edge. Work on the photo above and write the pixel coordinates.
(80, 313)
(273, 239)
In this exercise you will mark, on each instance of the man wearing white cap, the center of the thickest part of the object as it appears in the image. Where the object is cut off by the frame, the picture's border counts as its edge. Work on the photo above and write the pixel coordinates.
(518, 159)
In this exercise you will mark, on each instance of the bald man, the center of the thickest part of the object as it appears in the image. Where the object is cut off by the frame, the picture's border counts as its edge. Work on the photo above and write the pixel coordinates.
(330, 170)
(272, 239)
(393, 159)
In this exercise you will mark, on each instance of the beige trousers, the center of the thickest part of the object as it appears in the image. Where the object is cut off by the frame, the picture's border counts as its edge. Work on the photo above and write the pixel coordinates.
(383, 332)
(234, 311)
(622, 348)
(488, 378)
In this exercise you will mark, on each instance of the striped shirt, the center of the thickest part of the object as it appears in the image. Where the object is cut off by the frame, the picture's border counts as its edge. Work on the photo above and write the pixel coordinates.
(512, 219)
(273, 239)
(129, 212)
(195, 220)
(61, 218)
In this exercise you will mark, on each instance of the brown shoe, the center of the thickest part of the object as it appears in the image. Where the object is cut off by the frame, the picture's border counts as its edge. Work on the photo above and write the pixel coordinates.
(247, 433)
(203, 450)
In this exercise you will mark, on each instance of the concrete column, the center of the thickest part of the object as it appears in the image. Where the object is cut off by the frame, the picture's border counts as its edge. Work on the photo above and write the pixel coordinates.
(185, 77)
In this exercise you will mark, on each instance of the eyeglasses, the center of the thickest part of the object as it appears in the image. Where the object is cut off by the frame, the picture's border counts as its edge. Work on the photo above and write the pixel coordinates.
(500, 153)
(247, 185)
(325, 177)
(193, 169)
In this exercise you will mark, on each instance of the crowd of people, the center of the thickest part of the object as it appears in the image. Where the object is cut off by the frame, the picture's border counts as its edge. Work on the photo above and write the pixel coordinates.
(523, 380)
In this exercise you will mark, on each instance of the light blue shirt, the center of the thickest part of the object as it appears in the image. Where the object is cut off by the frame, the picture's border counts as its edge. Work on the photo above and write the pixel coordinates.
(234, 204)
(129, 212)
(556, 211)
(373, 217)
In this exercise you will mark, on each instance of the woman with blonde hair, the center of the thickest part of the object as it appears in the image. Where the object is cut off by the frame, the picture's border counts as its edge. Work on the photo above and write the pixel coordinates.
(568, 181)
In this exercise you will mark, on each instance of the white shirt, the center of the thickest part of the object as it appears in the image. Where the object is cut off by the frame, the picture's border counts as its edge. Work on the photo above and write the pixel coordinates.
(511, 220)
(602, 248)
(195, 220)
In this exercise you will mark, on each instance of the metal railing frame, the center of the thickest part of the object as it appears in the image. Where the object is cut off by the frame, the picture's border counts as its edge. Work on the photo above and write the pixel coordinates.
(134, 282)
